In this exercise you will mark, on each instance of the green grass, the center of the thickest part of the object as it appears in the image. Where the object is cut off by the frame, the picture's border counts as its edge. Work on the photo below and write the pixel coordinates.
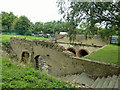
(6, 38)
(107, 54)
(16, 76)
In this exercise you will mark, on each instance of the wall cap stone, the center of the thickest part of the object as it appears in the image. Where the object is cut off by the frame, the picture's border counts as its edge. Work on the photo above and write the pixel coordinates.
(94, 61)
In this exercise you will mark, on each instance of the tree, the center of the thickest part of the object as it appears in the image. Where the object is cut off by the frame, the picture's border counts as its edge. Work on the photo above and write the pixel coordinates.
(38, 27)
(61, 26)
(22, 24)
(7, 19)
(48, 28)
(94, 13)
(56, 27)
(0, 21)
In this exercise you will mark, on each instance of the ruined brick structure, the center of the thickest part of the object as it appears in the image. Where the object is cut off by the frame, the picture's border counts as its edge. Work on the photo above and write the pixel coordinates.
(55, 59)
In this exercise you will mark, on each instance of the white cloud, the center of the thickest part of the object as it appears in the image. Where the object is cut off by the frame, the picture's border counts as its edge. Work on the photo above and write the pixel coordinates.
(35, 10)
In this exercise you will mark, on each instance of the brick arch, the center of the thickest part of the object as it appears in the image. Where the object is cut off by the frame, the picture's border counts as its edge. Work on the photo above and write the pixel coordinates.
(82, 52)
(25, 56)
(71, 49)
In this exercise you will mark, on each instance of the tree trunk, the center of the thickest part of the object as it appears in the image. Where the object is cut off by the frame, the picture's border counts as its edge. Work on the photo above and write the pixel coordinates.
(8, 27)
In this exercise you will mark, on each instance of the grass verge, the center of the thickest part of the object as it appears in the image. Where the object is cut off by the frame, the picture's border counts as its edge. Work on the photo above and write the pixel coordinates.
(107, 54)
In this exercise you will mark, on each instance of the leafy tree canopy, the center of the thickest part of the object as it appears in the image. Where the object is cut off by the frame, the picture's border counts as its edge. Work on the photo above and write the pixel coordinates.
(23, 24)
(7, 19)
(101, 14)
(52, 27)
(38, 27)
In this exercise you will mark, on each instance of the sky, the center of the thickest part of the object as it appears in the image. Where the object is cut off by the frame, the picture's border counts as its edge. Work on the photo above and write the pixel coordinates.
(35, 10)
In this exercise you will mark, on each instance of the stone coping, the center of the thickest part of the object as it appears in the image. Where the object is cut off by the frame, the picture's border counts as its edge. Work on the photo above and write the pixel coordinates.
(94, 61)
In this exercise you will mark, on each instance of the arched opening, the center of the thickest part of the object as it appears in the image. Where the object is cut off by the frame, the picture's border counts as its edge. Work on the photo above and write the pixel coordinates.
(25, 56)
(71, 50)
(37, 62)
(82, 52)
(40, 63)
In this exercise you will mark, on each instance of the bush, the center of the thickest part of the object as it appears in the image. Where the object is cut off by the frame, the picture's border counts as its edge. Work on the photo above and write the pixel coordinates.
(46, 36)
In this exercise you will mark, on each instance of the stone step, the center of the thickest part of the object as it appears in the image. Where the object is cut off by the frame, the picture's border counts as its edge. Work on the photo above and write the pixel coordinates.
(85, 80)
(79, 78)
(95, 83)
(119, 81)
(66, 77)
(75, 80)
(116, 84)
(106, 83)
(100, 83)
(72, 77)
(112, 82)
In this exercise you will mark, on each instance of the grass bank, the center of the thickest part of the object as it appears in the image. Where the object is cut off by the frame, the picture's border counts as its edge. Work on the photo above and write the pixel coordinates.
(16, 76)
(107, 54)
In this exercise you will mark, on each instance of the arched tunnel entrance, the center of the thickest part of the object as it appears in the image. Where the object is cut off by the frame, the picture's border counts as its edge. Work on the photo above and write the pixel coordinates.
(82, 52)
(71, 50)
(40, 63)
(37, 62)
(25, 56)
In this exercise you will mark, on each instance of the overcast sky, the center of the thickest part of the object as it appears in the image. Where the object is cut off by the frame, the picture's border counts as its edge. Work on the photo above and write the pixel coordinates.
(35, 10)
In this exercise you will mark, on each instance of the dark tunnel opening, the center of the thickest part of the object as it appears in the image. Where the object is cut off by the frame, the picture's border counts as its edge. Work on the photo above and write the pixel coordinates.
(71, 50)
(37, 62)
(82, 52)
(25, 56)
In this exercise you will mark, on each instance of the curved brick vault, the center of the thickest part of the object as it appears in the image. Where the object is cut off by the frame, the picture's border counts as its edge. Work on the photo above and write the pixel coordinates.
(71, 49)
(82, 52)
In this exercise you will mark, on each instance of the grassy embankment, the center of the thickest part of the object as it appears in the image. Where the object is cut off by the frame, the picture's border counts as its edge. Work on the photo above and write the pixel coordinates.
(109, 54)
(16, 76)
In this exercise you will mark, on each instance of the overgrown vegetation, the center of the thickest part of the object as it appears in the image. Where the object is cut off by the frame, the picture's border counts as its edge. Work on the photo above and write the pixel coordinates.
(107, 54)
(16, 76)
